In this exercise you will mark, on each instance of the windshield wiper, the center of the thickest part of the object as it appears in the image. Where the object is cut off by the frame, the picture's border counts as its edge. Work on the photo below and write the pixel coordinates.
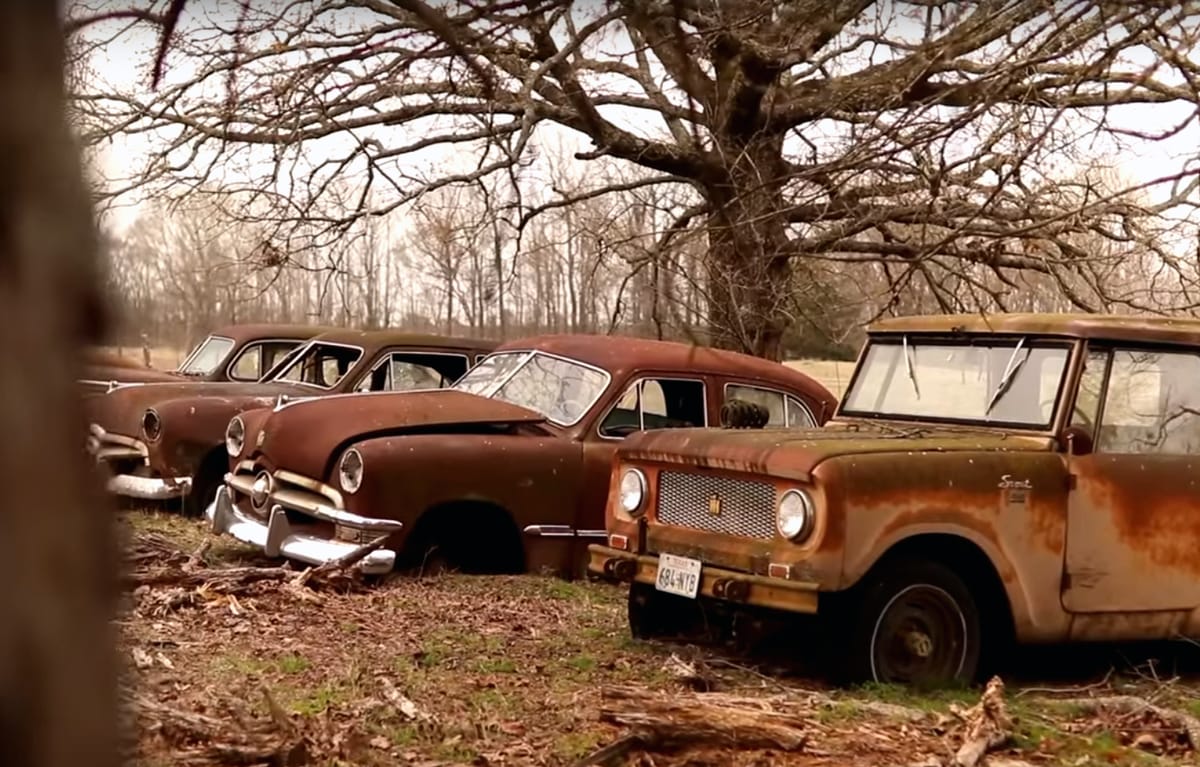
(908, 366)
(1010, 372)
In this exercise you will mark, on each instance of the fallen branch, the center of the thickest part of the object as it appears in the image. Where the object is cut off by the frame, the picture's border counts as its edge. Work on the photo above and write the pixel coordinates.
(1131, 704)
(681, 721)
(342, 563)
(988, 725)
(199, 739)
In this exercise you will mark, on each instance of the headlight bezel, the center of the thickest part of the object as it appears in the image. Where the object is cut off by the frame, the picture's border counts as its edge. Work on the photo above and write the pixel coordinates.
(235, 424)
(151, 416)
(807, 517)
(347, 481)
(638, 508)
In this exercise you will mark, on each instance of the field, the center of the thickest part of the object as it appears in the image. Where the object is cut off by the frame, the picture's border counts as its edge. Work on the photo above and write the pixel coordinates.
(230, 665)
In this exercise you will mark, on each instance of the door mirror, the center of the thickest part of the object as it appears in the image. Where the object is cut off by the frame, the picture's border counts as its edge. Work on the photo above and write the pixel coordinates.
(1078, 440)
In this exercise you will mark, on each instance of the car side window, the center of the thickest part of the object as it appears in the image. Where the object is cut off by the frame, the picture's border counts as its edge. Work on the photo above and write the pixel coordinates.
(1152, 404)
(247, 365)
(656, 403)
(782, 409)
(406, 371)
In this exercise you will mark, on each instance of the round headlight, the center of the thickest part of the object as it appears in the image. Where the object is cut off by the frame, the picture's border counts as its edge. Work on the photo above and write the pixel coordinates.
(633, 491)
(350, 470)
(235, 436)
(151, 425)
(796, 516)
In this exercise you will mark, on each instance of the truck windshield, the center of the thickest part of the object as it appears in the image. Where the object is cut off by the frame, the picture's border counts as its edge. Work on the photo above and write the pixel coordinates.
(989, 380)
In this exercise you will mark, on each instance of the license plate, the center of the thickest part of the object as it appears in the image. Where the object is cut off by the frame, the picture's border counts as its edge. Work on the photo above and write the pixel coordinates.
(678, 575)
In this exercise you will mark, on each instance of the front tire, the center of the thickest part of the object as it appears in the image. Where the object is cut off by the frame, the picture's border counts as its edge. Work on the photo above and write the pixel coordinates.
(917, 623)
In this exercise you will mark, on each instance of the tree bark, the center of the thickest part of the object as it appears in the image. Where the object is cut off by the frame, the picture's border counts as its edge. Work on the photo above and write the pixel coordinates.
(57, 556)
(749, 266)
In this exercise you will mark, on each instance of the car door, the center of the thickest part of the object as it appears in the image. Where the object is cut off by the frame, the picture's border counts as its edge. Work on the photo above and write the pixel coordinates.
(648, 400)
(1133, 520)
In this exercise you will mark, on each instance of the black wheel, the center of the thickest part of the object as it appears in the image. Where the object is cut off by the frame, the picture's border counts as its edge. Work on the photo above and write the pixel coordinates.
(916, 624)
(208, 479)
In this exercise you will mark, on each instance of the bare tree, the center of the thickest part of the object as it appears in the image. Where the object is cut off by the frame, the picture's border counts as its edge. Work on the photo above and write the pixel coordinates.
(801, 129)
(57, 663)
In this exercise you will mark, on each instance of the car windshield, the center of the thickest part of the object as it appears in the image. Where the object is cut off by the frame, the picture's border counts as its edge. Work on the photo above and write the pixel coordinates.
(321, 365)
(206, 356)
(561, 389)
(1010, 381)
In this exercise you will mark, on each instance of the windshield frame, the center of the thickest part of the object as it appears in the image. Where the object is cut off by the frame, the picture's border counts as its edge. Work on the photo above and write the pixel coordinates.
(280, 367)
(527, 356)
(233, 347)
(999, 341)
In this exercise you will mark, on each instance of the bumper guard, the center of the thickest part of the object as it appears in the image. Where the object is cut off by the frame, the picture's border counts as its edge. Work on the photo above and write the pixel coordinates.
(279, 538)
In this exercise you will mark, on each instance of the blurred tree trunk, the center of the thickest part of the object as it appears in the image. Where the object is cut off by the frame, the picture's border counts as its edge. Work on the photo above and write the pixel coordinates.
(57, 558)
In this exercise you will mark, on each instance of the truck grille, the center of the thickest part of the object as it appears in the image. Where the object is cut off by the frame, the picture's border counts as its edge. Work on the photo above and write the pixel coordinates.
(747, 507)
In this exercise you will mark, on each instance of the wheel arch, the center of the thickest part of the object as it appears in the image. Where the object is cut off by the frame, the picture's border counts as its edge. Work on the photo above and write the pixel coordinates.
(476, 528)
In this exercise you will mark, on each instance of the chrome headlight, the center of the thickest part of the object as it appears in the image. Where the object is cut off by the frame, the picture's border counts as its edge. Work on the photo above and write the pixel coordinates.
(632, 491)
(235, 436)
(350, 470)
(796, 515)
(151, 425)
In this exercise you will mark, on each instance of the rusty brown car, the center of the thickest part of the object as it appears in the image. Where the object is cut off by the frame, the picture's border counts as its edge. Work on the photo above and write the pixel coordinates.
(166, 441)
(1027, 478)
(233, 353)
(506, 471)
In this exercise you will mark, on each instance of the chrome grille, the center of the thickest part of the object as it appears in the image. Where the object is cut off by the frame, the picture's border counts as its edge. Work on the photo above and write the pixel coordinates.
(747, 507)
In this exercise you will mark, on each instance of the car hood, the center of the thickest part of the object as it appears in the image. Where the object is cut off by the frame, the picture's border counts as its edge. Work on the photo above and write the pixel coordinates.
(123, 374)
(120, 411)
(794, 453)
(304, 436)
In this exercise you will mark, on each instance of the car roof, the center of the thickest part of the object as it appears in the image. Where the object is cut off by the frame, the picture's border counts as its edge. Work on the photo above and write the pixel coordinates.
(1115, 327)
(376, 339)
(251, 331)
(618, 354)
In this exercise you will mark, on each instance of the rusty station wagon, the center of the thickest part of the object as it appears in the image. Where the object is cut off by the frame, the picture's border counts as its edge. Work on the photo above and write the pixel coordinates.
(164, 441)
(984, 480)
(232, 353)
(506, 471)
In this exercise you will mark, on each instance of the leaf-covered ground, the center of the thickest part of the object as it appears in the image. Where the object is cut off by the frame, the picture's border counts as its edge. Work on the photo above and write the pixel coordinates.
(517, 670)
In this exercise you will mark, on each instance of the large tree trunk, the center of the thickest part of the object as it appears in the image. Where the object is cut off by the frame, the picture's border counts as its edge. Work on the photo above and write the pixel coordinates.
(749, 266)
(57, 560)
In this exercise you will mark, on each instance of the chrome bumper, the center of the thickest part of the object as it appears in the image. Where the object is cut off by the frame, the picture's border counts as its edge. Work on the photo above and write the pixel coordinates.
(149, 488)
(278, 538)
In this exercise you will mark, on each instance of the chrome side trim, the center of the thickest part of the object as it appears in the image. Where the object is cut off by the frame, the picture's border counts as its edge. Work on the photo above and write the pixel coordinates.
(562, 531)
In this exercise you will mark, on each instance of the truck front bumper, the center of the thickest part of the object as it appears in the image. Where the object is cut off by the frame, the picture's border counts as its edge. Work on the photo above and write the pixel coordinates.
(715, 582)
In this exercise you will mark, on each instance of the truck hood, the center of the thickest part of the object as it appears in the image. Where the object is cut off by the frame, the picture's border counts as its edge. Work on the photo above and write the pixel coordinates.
(304, 436)
(120, 411)
(794, 453)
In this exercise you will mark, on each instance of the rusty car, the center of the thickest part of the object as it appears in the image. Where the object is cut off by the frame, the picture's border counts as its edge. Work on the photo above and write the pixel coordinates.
(985, 481)
(505, 471)
(166, 441)
(242, 353)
